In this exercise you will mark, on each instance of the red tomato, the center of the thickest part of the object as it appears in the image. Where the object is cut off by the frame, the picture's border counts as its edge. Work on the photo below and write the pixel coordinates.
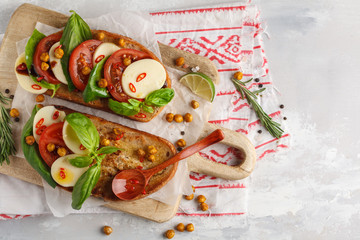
(114, 68)
(81, 57)
(43, 47)
(52, 134)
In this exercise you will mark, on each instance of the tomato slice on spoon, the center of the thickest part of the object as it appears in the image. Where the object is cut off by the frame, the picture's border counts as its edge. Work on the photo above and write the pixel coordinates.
(81, 57)
(114, 68)
(43, 47)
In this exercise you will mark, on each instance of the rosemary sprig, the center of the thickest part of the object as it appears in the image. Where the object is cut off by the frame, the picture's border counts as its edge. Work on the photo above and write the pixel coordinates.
(7, 146)
(273, 127)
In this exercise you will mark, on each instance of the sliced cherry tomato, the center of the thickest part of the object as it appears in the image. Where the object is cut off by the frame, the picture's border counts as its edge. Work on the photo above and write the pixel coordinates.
(81, 57)
(114, 68)
(44, 46)
(52, 134)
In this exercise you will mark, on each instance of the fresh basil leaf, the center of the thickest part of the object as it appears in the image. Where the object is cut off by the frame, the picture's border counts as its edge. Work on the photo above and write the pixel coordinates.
(92, 90)
(123, 108)
(134, 102)
(75, 32)
(85, 130)
(107, 150)
(31, 152)
(84, 186)
(160, 97)
(147, 108)
(81, 161)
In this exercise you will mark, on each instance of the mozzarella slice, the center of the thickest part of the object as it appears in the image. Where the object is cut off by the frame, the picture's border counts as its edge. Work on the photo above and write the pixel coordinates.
(45, 117)
(55, 64)
(25, 81)
(72, 141)
(64, 173)
(143, 77)
(104, 50)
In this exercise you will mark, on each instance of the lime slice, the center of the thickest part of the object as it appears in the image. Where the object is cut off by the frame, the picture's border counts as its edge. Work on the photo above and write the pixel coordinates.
(200, 84)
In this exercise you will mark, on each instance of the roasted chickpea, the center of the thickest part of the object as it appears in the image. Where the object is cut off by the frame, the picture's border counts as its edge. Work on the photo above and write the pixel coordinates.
(178, 118)
(188, 117)
(107, 230)
(180, 61)
(61, 151)
(204, 207)
(170, 234)
(201, 198)
(151, 158)
(194, 104)
(105, 142)
(190, 227)
(189, 197)
(30, 140)
(121, 42)
(44, 57)
(86, 70)
(40, 98)
(14, 113)
(50, 147)
(100, 36)
(127, 61)
(151, 149)
(238, 75)
(44, 66)
(169, 117)
(180, 227)
(181, 143)
(59, 53)
(102, 83)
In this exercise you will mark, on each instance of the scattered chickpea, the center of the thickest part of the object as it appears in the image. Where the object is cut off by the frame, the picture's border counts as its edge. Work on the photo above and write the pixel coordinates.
(190, 227)
(102, 83)
(170, 234)
(189, 197)
(105, 142)
(59, 53)
(151, 157)
(141, 152)
(121, 42)
(44, 57)
(107, 230)
(238, 75)
(194, 104)
(180, 227)
(151, 149)
(204, 207)
(181, 143)
(201, 198)
(30, 140)
(127, 61)
(180, 61)
(39, 105)
(40, 98)
(86, 70)
(169, 117)
(178, 118)
(14, 113)
(50, 147)
(100, 36)
(44, 66)
(61, 151)
(188, 117)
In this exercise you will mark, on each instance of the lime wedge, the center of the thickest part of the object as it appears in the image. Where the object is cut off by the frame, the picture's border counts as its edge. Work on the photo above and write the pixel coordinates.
(200, 84)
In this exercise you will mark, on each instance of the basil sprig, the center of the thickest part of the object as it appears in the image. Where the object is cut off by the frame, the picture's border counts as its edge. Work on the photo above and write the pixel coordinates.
(75, 32)
(89, 138)
(29, 55)
(157, 98)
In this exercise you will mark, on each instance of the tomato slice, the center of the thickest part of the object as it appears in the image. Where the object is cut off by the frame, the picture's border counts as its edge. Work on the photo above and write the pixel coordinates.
(114, 68)
(81, 57)
(52, 134)
(44, 46)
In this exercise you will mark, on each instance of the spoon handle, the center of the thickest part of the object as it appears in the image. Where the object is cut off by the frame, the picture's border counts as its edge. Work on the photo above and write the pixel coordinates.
(214, 137)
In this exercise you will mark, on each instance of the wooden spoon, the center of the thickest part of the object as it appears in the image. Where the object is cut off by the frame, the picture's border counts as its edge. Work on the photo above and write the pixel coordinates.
(130, 183)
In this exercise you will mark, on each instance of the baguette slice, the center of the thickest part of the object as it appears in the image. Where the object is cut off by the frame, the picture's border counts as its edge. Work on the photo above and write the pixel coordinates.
(131, 141)
(102, 104)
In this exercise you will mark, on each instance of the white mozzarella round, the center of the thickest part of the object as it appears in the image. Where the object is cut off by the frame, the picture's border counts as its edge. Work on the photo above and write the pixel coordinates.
(55, 64)
(64, 173)
(103, 50)
(143, 77)
(45, 117)
(25, 81)
(72, 141)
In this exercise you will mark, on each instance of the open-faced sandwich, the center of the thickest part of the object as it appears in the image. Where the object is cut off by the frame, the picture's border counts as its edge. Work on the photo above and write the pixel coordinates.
(83, 153)
(95, 68)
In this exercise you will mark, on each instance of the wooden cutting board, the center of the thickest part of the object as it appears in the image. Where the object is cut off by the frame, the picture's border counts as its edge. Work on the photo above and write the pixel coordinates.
(22, 24)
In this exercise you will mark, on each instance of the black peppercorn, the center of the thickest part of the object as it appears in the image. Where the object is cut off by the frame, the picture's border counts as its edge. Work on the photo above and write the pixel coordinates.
(179, 149)
(285, 118)
(257, 80)
(7, 91)
(282, 106)
(17, 119)
(182, 133)
(260, 85)
(259, 131)
(11, 97)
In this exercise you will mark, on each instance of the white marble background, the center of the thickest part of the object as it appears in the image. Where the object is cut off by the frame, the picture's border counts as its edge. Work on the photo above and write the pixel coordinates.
(311, 191)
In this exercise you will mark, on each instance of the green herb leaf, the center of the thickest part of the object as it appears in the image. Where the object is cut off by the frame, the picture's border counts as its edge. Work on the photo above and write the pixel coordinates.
(85, 130)
(81, 161)
(134, 102)
(160, 97)
(84, 186)
(92, 90)
(76, 31)
(147, 108)
(107, 150)
(123, 108)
